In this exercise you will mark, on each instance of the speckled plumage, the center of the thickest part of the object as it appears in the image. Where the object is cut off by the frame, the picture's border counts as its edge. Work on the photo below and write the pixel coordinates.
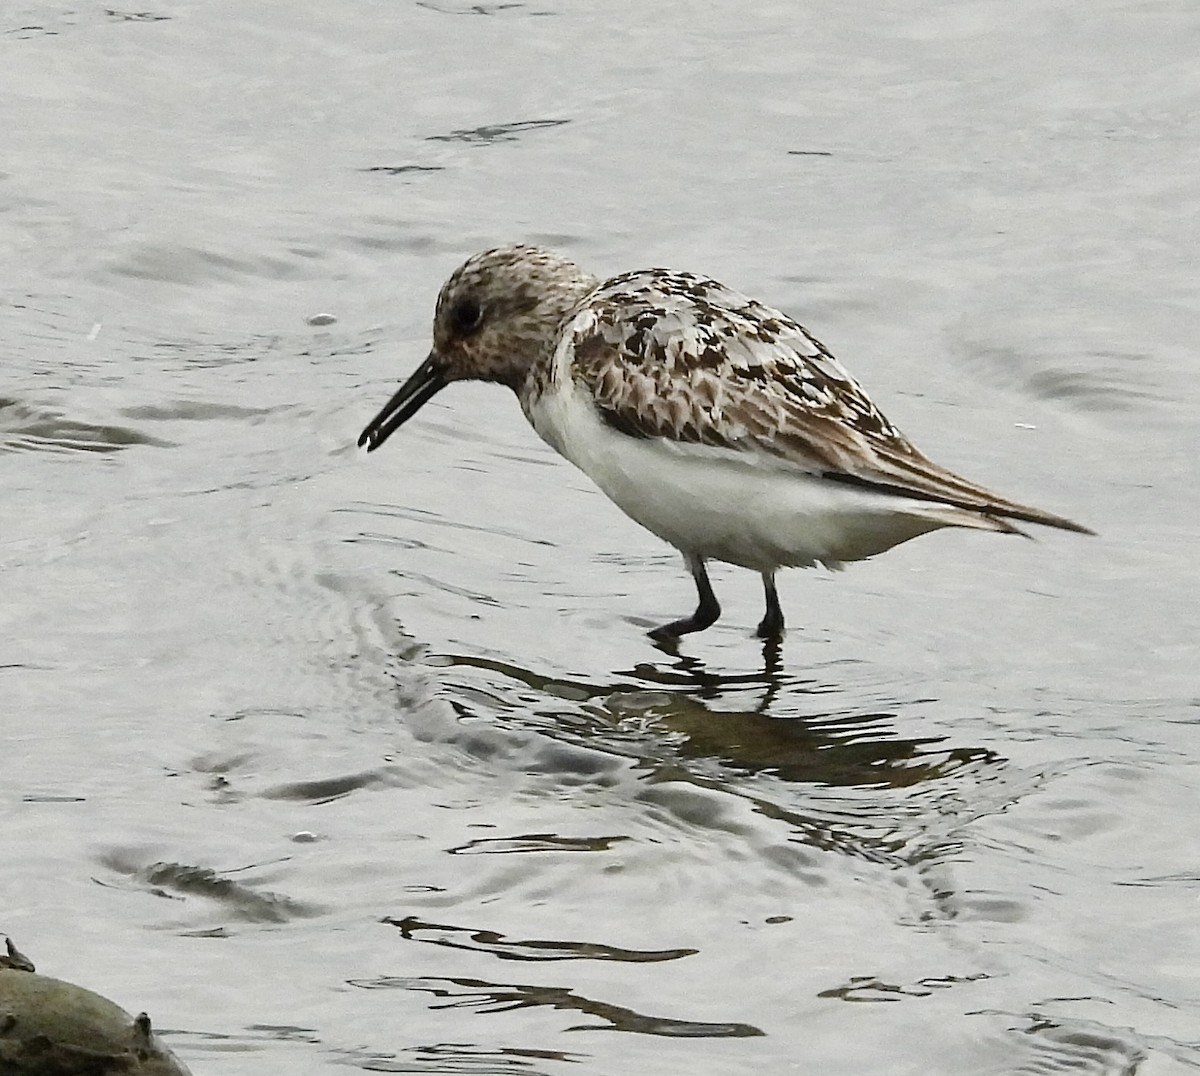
(713, 420)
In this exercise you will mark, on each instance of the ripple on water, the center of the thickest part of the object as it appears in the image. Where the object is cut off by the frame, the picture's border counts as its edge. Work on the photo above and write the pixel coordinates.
(795, 766)
(535, 842)
(498, 7)
(25, 428)
(482, 940)
(485, 996)
(496, 132)
(461, 1059)
(185, 881)
(1098, 381)
(1046, 1042)
(172, 263)
(1048, 347)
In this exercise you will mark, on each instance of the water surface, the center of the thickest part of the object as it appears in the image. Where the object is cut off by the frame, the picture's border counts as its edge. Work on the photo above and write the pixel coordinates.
(333, 762)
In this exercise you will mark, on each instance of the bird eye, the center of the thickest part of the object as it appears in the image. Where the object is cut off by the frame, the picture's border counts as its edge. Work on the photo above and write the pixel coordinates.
(465, 316)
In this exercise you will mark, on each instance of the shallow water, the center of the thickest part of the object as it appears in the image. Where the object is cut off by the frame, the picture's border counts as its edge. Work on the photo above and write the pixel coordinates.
(331, 762)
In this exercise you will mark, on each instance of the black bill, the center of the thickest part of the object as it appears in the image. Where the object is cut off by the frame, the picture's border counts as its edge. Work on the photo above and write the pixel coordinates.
(426, 382)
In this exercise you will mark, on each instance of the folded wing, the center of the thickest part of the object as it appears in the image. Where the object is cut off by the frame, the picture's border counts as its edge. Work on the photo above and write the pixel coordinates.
(683, 358)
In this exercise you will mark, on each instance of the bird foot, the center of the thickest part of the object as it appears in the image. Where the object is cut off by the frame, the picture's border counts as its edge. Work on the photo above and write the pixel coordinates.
(670, 633)
(771, 629)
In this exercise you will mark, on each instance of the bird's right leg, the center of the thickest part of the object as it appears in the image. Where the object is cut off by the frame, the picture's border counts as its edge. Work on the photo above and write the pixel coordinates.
(706, 612)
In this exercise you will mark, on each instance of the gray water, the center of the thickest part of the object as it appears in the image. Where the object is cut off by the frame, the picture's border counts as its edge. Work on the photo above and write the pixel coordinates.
(336, 762)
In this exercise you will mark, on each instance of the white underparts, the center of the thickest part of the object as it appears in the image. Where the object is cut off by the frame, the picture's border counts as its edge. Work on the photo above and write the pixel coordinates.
(747, 509)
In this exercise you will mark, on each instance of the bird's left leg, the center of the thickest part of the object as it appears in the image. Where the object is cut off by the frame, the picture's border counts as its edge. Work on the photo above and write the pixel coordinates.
(771, 626)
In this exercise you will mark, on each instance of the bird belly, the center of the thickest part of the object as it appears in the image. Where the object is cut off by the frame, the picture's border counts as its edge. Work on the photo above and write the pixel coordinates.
(721, 504)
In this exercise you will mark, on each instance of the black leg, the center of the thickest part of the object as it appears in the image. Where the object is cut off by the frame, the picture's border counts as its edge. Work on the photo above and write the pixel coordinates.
(772, 622)
(706, 612)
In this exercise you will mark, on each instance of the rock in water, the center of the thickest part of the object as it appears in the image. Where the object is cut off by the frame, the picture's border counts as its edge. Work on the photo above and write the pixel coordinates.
(52, 1028)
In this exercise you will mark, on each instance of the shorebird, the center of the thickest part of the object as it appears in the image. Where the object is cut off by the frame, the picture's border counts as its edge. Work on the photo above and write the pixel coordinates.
(717, 423)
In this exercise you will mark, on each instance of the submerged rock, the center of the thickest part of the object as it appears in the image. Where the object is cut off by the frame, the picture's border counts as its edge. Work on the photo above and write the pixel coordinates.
(52, 1028)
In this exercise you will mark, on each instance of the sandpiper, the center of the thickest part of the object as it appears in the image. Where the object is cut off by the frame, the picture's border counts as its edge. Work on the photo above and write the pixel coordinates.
(717, 423)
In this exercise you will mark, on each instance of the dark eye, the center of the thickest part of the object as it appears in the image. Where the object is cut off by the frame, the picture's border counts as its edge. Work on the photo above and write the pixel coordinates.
(465, 317)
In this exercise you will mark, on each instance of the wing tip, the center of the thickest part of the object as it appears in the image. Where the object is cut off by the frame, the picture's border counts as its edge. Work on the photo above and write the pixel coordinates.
(1045, 519)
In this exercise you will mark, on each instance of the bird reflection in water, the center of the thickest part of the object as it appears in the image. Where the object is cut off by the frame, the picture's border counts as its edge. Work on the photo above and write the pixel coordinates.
(768, 721)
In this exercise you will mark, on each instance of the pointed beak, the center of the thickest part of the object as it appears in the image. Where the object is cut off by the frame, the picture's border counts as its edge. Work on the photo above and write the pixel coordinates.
(426, 382)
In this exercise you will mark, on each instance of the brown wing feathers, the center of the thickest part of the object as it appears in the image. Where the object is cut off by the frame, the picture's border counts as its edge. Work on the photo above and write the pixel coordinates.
(657, 364)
